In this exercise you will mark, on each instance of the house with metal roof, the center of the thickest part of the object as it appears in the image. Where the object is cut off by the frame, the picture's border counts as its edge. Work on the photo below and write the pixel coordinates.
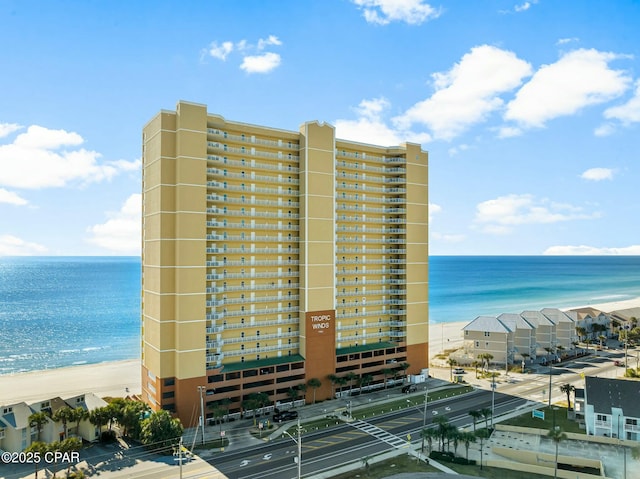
(15, 432)
(524, 336)
(545, 331)
(565, 328)
(612, 408)
(489, 335)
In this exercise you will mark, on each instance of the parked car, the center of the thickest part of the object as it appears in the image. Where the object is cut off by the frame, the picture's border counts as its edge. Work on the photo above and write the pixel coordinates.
(285, 416)
(618, 363)
(409, 388)
(458, 371)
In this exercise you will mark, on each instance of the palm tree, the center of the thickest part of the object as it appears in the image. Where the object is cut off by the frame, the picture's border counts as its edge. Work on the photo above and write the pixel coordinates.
(475, 365)
(79, 415)
(486, 414)
(581, 332)
(404, 367)
(556, 435)
(341, 381)
(475, 414)
(467, 438)
(451, 362)
(293, 394)
(314, 383)
(38, 447)
(218, 413)
(568, 389)
(443, 427)
(429, 435)
(38, 420)
(482, 434)
(334, 382)
(100, 417)
(63, 415)
(455, 437)
(386, 372)
(351, 376)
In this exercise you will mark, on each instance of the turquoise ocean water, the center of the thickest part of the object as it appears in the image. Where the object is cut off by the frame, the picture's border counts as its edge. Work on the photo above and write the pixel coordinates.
(61, 311)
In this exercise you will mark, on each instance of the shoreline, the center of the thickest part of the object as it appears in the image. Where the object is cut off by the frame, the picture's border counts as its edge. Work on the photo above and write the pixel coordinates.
(112, 378)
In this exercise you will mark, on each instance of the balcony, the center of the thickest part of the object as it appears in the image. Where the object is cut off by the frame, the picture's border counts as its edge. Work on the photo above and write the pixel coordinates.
(243, 339)
(255, 287)
(260, 324)
(264, 349)
(255, 312)
(222, 135)
(253, 165)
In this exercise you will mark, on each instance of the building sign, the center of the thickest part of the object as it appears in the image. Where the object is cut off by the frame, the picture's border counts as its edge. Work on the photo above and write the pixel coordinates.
(321, 323)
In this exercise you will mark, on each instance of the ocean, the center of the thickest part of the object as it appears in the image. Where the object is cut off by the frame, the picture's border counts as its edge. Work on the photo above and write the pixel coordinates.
(63, 311)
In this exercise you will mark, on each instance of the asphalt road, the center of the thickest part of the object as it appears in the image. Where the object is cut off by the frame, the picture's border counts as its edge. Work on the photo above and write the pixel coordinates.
(329, 449)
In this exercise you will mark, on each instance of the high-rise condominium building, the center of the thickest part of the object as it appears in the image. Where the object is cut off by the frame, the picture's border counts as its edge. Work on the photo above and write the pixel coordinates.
(273, 257)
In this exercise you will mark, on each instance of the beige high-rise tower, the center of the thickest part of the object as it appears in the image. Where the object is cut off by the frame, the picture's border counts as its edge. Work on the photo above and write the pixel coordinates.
(273, 257)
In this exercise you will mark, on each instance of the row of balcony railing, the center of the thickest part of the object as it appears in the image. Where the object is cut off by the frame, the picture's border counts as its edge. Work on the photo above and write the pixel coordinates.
(254, 165)
(251, 275)
(257, 226)
(252, 188)
(252, 237)
(397, 170)
(221, 134)
(253, 262)
(395, 210)
(252, 214)
(255, 287)
(351, 272)
(277, 347)
(252, 176)
(242, 200)
(370, 157)
(251, 250)
(255, 299)
(251, 151)
(369, 189)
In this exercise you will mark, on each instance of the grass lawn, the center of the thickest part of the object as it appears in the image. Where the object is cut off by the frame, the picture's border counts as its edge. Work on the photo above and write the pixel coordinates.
(526, 420)
(404, 463)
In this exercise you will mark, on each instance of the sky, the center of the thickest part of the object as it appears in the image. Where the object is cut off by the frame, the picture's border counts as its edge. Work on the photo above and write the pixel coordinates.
(530, 110)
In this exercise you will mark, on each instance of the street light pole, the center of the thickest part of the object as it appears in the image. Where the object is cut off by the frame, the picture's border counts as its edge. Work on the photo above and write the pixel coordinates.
(493, 396)
(202, 389)
(299, 444)
(550, 372)
(424, 416)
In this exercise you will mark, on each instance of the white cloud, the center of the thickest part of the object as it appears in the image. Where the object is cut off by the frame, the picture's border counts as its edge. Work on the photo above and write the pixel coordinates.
(260, 63)
(42, 157)
(467, 93)
(629, 112)
(270, 40)
(370, 126)
(121, 233)
(579, 79)
(220, 51)
(434, 209)
(13, 246)
(11, 198)
(597, 174)
(383, 12)
(605, 129)
(500, 215)
(509, 132)
(448, 238)
(7, 128)
(453, 151)
(592, 250)
(522, 7)
(564, 41)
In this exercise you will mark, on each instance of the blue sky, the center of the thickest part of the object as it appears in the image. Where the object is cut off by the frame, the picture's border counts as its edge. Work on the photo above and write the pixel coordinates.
(530, 111)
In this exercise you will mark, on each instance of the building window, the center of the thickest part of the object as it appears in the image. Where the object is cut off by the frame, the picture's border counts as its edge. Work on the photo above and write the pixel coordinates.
(487, 334)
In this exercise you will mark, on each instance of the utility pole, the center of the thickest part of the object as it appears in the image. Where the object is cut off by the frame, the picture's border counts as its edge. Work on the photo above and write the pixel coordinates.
(202, 389)
(180, 456)
(550, 372)
(424, 416)
(493, 395)
(298, 442)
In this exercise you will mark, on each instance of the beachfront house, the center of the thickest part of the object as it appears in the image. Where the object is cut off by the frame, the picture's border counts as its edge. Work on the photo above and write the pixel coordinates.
(15, 432)
(592, 322)
(624, 319)
(545, 332)
(524, 336)
(612, 408)
(88, 402)
(489, 335)
(565, 328)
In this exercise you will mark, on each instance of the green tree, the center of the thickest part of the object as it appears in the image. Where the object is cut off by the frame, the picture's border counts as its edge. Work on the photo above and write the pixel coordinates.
(40, 448)
(293, 394)
(160, 431)
(442, 428)
(63, 415)
(386, 372)
(71, 444)
(334, 382)
(467, 438)
(341, 381)
(475, 414)
(254, 402)
(130, 417)
(38, 420)
(78, 415)
(429, 435)
(475, 365)
(351, 376)
(100, 417)
(568, 389)
(218, 412)
(314, 383)
(486, 414)
(482, 435)
(404, 367)
(451, 362)
(556, 435)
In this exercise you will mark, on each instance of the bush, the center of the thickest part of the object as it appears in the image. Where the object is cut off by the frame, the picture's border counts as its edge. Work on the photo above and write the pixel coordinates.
(108, 436)
(448, 456)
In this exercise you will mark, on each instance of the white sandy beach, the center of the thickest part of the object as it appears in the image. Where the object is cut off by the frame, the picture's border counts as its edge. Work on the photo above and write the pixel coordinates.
(112, 378)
